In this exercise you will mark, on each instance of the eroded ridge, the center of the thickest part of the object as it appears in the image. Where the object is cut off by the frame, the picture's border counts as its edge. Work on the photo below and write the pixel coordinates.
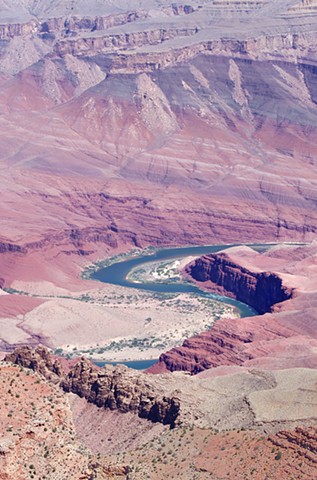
(114, 388)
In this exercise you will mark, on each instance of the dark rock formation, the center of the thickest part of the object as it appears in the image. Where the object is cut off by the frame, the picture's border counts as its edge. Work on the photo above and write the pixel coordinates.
(116, 388)
(119, 388)
(39, 360)
(260, 290)
(6, 247)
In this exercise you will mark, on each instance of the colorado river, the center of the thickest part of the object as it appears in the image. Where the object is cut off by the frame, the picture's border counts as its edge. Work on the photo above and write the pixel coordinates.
(117, 273)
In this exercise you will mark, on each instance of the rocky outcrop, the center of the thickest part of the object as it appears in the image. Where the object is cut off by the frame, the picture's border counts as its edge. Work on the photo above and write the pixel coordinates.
(6, 247)
(218, 398)
(98, 471)
(116, 388)
(39, 360)
(68, 26)
(10, 30)
(260, 290)
(72, 25)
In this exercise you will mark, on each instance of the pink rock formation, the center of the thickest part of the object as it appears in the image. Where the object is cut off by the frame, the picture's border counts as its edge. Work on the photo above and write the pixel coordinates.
(261, 290)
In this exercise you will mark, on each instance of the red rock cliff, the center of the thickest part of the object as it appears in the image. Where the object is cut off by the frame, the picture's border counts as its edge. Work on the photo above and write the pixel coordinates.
(260, 290)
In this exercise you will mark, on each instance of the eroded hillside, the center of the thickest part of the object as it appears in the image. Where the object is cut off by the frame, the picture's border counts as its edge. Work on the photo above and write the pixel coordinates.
(160, 124)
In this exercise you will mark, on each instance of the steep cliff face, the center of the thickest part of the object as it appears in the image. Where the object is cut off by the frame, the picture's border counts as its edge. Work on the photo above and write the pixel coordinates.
(132, 53)
(118, 388)
(115, 388)
(204, 351)
(260, 290)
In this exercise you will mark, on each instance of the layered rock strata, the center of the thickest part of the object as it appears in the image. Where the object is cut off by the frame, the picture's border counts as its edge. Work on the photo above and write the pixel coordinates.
(302, 440)
(129, 111)
(260, 290)
(145, 126)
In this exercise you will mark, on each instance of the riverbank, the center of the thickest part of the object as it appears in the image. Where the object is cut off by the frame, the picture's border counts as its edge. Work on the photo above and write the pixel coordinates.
(139, 325)
(108, 323)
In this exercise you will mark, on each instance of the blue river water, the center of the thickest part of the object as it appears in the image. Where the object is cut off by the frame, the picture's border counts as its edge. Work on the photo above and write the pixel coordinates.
(136, 364)
(116, 274)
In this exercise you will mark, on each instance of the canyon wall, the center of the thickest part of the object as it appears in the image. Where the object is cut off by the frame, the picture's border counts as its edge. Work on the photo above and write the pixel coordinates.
(154, 126)
(260, 290)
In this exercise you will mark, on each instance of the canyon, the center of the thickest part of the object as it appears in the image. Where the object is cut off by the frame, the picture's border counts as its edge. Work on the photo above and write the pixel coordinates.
(158, 124)
(114, 120)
